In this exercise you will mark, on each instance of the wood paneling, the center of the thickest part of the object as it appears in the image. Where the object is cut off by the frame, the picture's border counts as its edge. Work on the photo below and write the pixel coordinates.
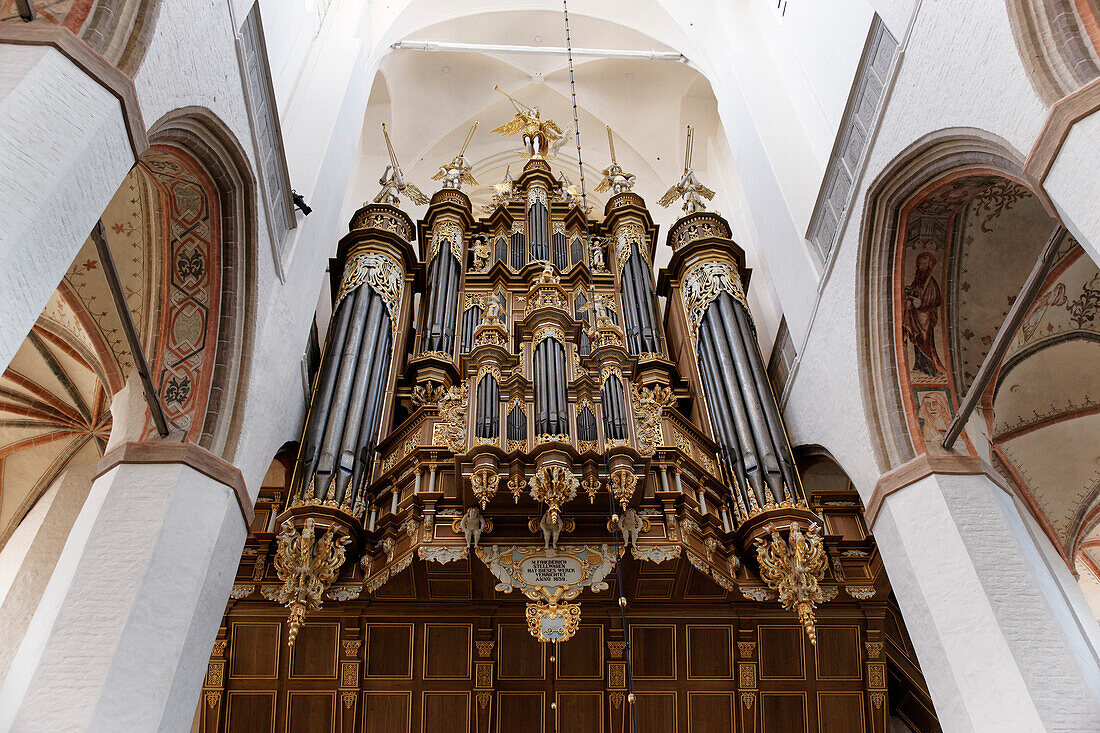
(521, 656)
(445, 711)
(582, 660)
(255, 650)
(783, 712)
(308, 712)
(447, 651)
(656, 712)
(251, 712)
(387, 712)
(389, 650)
(840, 712)
(581, 712)
(520, 712)
(710, 712)
(654, 650)
(710, 652)
(838, 653)
(781, 653)
(314, 651)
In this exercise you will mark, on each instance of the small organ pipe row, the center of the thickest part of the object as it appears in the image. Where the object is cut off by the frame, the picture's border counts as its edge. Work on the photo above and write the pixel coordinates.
(488, 408)
(443, 287)
(640, 305)
(551, 404)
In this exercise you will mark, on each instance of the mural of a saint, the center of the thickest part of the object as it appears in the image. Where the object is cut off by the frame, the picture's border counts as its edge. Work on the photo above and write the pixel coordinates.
(923, 299)
(934, 413)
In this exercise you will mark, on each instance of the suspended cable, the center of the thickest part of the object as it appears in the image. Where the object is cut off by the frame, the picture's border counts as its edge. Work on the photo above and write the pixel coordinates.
(630, 698)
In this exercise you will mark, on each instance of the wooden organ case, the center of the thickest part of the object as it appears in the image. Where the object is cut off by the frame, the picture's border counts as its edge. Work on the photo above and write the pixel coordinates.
(496, 466)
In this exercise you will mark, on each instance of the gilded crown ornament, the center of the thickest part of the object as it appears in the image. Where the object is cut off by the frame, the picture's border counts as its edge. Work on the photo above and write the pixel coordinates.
(688, 188)
(307, 565)
(483, 483)
(793, 568)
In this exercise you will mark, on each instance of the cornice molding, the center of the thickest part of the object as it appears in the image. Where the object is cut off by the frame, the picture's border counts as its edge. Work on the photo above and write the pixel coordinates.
(922, 467)
(1063, 115)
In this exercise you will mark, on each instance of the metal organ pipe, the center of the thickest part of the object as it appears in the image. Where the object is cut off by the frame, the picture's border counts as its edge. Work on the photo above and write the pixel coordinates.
(359, 396)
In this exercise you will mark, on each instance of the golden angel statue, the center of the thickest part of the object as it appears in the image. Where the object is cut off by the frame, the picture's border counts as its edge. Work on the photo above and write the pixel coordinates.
(457, 172)
(688, 188)
(502, 192)
(541, 138)
(567, 191)
(393, 181)
(614, 179)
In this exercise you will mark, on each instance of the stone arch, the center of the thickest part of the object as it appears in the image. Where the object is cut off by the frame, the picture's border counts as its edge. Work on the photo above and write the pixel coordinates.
(200, 133)
(932, 158)
(1058, 42)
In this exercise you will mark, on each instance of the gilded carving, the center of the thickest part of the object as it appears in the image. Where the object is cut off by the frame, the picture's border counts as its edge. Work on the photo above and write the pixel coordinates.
(746, 671)
(622, 484)
(544, 332)
(485, 648)
(483, 676)
(452, 408)
(553, 486)
(702, 284)
(450, 232)
(746, 649)
(307, 566)
(484, 483)
(874, 649)
(876, 675)
(351, 648)
(241, 591)
(213, 697)
(860, 592)
(349, 674)
(648, 406)
(381, 272)
(628, 235)
(793, 568)
(348, 697)
(616, 649)
(553, 622)
(616, 675)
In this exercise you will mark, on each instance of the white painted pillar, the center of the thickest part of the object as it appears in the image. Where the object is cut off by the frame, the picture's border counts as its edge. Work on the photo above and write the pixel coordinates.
(1073, 183)
(122, 635)
(46, 527)
(996, 626)
(64, 150)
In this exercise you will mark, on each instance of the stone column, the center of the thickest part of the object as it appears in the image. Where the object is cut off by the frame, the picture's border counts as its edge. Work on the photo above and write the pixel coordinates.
(122, 635)
(995, 622)
(70, 130)
(59, 509)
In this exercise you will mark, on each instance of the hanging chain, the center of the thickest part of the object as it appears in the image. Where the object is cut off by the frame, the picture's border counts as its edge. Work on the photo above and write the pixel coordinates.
(595, 352)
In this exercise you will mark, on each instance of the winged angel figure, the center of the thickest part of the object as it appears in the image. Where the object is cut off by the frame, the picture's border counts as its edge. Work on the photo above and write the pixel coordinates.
(541, 138)
(457, 172)
(393, 181)
(689, 188)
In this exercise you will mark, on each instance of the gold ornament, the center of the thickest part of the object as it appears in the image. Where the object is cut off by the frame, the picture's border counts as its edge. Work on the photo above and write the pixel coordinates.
(591, 486)
(553, 486)
(623, 481)
(551, 622)
(515, 485)
(484, 484)
(648, 406)
(452, 408)
(793, 569)
(702, 284)
(381, 272)
(307, 567)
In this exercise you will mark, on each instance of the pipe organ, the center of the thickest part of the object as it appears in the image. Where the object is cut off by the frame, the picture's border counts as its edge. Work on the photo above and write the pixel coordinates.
(540, 455)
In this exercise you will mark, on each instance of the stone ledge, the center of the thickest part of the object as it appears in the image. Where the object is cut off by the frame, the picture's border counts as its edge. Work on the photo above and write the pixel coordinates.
(1064, 114)
(189, 455)
(923, 466)
(91, 63)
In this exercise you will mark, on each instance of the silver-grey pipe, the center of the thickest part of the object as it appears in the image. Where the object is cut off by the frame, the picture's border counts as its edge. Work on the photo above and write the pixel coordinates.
(326, 464)
(745, 379)
(742, 425)
(349, 442)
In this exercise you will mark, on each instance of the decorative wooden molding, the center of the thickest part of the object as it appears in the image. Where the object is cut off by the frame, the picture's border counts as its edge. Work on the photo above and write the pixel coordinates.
(1064, 114)
(189, 455)
(923, 466)
(92, 64)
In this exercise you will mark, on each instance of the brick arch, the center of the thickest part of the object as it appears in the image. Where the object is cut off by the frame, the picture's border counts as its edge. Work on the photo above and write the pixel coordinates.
(1058, 41)
(912, 175)
(200, 135)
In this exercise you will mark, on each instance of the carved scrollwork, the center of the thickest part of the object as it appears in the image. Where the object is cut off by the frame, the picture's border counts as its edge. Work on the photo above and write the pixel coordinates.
(381, 272)
(450, 232)
(307, 565)
(793, 568)
(648, 406)
(452, 408)
(702, 284)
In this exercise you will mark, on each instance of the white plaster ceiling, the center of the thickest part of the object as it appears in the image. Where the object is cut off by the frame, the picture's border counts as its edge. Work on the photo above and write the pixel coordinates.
(430, 99)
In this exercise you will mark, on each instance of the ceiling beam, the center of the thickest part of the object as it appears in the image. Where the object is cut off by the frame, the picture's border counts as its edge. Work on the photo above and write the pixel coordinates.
(605, 53)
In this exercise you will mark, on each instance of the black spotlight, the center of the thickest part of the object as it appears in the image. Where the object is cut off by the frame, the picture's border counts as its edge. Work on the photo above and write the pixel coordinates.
(300, 203)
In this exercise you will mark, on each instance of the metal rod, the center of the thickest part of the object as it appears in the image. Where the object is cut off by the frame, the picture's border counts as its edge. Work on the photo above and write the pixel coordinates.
(1020, 307)
(469, 136)
(434, 46)
(611, 144)
(99, 236)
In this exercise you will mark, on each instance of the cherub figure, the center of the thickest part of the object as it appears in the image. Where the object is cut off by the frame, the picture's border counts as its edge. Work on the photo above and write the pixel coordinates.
(551, 525)
(595, 252)
(568, 192)
(548, 276)
(483, 253)
(630, 525)
(472, 525)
